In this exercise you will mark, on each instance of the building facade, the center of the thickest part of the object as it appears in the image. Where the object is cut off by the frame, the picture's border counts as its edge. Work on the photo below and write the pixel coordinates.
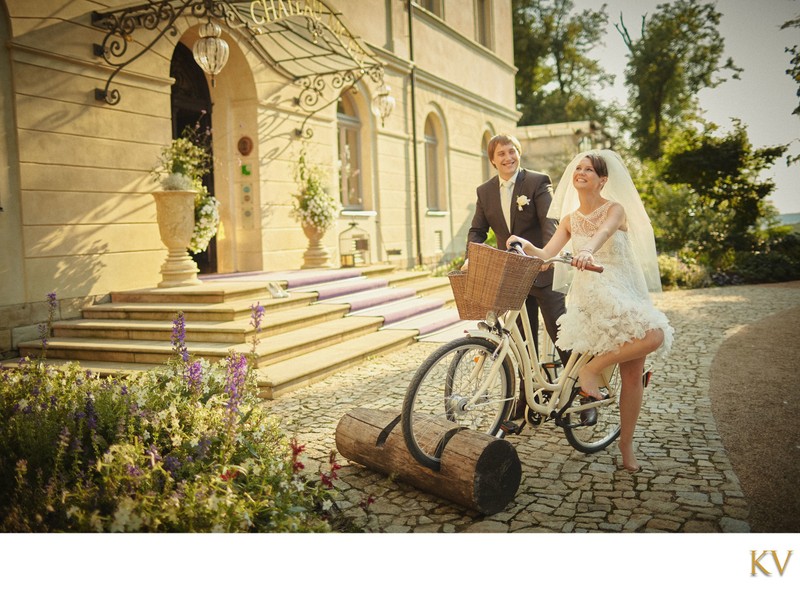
(92, 90)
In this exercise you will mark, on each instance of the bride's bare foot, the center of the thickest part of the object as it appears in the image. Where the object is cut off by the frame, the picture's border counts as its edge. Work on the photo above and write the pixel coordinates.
(629, 458)
(590, 383)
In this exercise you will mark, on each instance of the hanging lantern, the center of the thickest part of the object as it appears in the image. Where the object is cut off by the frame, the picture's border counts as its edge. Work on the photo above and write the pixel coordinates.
(210, 51)
(383, 103)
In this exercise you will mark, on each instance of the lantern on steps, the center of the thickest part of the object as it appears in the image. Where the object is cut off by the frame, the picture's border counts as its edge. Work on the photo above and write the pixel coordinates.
(354, 247)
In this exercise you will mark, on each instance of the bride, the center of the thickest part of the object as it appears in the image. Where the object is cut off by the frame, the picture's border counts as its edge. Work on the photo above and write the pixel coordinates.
(610, 315)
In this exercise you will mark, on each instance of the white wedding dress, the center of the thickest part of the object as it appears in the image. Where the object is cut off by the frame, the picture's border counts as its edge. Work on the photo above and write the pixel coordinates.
(606, 310)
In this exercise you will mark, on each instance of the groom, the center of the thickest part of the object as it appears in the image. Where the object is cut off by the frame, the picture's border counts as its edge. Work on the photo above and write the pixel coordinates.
(515, 202)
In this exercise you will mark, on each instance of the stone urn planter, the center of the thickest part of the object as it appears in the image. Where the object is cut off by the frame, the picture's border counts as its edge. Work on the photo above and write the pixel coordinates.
(316, 255)
(175, 215)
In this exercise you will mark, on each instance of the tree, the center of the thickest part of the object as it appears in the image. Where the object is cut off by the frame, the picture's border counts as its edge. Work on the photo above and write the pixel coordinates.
(555, 77)
(794, 72)
(716, 204)
(794, 51)
(677, 55)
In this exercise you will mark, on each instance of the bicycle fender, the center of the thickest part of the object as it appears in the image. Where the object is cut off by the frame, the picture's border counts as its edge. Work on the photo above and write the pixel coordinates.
(487, 335)
(482, 333)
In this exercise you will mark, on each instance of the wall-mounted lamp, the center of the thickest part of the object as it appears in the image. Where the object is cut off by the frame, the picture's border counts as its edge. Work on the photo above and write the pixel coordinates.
(383, 103)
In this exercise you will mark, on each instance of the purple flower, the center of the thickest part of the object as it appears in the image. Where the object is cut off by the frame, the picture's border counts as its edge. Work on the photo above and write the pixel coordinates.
(235, 376)
(179, 337)
(91, 417)
(172, 464)
(256, 315)
(133, 471)
(202, 448)
(194, 376)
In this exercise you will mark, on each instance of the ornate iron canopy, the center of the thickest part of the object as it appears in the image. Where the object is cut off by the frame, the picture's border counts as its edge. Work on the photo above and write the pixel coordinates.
(304, 40)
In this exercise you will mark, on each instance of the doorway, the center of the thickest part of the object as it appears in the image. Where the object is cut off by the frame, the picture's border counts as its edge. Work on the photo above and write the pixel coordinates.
(191, 105)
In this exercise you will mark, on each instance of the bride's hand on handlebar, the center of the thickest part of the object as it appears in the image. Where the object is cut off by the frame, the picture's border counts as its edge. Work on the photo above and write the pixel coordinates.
(583, 259)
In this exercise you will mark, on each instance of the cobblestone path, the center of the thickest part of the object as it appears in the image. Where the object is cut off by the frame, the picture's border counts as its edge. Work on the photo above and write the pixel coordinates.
(687, 485)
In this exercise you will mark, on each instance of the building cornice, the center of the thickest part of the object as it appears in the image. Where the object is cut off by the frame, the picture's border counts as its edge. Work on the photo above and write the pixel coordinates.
(402, 67)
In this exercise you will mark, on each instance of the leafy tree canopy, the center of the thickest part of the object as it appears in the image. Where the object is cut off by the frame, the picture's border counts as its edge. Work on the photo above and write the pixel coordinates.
(678, 53)
(556, 79)
(717, 199)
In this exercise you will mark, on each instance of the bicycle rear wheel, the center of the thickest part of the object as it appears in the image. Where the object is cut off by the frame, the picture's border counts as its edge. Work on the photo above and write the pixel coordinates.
(442, 397)
(591, 439)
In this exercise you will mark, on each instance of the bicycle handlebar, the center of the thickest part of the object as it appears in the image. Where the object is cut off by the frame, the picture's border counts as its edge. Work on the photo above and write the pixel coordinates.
(565, 257)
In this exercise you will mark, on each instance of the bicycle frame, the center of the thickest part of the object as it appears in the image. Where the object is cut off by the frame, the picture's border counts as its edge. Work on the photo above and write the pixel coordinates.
(523, 356)
(471, 382)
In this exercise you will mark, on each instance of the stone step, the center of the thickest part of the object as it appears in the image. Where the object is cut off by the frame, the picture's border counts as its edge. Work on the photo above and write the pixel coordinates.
(315, 323)
(399, 310)
(120, 351)
(282, 377)
(293, 279)
(227, 332)
(291, 344)
(428, 323)
(372, 298)
(206, 293)
(227, 311)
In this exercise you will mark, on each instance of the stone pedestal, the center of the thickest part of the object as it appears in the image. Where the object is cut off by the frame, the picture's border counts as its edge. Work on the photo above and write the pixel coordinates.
(175, 215)
(316, 255)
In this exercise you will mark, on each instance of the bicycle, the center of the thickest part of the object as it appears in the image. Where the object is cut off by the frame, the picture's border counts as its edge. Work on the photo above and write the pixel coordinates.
(470, 382)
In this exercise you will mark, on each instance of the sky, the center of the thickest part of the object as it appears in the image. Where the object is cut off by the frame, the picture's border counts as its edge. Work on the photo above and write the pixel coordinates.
(764, 97)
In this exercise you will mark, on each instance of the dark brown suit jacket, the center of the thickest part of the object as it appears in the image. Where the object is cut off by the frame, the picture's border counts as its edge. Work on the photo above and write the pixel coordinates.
(530, 222)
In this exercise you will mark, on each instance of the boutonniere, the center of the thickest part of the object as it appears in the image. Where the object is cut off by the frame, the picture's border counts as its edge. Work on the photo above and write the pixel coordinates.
(522, 201)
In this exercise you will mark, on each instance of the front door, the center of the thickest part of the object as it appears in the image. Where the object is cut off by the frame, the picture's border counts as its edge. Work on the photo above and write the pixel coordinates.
(191, 106)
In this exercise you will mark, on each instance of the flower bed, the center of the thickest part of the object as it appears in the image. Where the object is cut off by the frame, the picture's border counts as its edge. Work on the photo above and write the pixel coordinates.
(187, 447)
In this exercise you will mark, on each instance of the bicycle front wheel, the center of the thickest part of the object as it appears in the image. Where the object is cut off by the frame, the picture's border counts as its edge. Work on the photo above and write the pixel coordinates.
(591, 439)
(445, 395)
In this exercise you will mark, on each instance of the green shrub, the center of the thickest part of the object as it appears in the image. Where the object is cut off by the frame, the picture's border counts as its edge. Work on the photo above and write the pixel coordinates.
(676, 273)
(188, 447)
(769, 266)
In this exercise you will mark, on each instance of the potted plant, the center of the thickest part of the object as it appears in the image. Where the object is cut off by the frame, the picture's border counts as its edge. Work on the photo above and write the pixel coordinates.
(316, 211)
(187, 214)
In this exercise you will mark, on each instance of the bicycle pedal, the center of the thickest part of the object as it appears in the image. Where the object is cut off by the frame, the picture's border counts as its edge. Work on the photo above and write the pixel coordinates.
(511, 427)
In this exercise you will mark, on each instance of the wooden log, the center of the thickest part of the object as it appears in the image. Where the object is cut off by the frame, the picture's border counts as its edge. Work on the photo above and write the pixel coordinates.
(477, 471)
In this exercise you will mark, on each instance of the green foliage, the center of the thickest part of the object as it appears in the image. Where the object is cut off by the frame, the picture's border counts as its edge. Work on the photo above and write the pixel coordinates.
(555, 76)
(794, 52)
(677, 55)
(185, 448)
(182, 165)
(313, 205)
(777, 261)
(676, 273)
(723, 173)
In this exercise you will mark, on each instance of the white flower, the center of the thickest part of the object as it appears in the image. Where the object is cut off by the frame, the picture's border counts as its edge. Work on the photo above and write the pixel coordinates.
(522, 201)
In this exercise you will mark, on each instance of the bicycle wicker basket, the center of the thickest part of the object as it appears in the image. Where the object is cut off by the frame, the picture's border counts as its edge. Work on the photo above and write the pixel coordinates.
(497, 281)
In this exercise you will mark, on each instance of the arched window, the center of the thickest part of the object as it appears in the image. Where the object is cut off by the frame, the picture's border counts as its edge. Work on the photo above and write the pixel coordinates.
(486, 164)
(350, 168)
(433, 188)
